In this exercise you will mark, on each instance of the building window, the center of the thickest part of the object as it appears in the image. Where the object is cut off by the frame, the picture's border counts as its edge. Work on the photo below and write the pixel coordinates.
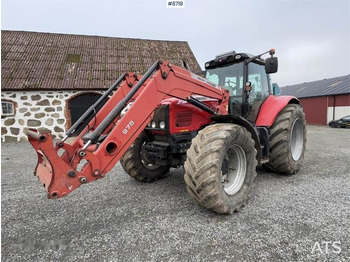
(7, 108)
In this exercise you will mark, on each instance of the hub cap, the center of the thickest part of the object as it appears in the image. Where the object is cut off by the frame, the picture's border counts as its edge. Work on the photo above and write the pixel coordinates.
(234, 175)
(297, 140)
(147, 163)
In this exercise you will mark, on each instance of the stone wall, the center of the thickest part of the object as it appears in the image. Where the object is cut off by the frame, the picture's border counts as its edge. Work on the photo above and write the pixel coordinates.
(45, 111)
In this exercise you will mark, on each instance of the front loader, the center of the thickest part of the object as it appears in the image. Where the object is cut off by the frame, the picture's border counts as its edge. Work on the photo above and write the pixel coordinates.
(219, 128)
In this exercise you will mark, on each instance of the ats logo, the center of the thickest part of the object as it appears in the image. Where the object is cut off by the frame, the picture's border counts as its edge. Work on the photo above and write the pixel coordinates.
(326, 247)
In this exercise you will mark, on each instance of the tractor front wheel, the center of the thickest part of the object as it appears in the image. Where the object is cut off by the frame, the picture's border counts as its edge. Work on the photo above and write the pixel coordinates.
(140, 168)
(288, 140)
(221, 167)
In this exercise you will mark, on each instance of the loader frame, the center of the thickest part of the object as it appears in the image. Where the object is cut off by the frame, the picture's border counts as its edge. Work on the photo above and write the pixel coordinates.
(63, 167)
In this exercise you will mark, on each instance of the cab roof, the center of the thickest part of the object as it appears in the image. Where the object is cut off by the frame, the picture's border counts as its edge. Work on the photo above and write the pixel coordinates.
(231, 57)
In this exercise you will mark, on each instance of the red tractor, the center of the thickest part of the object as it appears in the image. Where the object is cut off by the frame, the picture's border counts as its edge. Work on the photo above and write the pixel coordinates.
(219, 127)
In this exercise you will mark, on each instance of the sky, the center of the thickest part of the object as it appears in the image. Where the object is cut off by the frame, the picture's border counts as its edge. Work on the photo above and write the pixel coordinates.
(311, 38)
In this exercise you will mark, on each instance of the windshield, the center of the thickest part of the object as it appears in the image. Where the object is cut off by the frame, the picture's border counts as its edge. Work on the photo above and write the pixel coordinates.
(229, 76)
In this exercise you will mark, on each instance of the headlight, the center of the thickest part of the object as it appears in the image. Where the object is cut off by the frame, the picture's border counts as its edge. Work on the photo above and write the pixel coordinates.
(162, 124)
(238, 56)
(154, 124)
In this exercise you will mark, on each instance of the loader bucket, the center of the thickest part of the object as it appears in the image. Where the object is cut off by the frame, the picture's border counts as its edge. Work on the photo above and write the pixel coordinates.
(63, 167)
(54, 173)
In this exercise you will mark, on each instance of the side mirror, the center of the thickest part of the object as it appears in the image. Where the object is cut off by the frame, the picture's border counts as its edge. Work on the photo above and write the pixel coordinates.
(271, 65)
(276, 90)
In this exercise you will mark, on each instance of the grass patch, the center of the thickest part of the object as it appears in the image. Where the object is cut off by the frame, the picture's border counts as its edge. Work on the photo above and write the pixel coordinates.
(73, 58)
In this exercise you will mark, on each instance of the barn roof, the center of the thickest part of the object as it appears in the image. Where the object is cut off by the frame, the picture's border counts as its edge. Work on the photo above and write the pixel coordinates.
(43, 61)
(332, 86)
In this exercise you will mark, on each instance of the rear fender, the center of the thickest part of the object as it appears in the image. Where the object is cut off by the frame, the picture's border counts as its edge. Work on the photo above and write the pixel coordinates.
(271, 107)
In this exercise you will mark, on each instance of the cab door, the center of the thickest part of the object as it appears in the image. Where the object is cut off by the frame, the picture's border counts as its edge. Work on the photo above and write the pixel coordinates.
(260, 89)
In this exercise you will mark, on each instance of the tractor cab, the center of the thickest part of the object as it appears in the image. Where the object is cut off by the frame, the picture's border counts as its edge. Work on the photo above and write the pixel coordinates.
(246, 77)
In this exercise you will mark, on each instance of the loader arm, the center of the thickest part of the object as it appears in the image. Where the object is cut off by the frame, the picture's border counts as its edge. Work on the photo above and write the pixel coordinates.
(64, 167)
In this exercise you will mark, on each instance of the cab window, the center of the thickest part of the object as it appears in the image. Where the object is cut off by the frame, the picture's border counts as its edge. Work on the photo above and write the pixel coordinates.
(258, 79)
(228, 76)
(213, 78)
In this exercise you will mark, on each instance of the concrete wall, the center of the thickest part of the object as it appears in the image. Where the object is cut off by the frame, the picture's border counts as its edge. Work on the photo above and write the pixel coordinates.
(340, 105)
(45, 111)
(340, 111)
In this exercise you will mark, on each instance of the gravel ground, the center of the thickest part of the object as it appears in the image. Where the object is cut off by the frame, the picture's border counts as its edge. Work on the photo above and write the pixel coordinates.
(120, 219)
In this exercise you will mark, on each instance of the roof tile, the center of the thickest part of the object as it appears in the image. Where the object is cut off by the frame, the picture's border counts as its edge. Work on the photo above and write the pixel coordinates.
(332, 86)
(33, 60)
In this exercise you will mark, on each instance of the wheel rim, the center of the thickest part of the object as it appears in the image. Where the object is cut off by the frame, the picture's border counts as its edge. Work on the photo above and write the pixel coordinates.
(297, 140)
(233, 180)
(147, 163)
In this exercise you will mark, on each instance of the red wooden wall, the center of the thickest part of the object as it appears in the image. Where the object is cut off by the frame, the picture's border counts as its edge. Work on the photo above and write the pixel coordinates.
(315, 108)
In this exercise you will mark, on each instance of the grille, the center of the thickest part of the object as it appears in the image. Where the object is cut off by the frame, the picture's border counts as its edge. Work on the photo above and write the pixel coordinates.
(183, 119)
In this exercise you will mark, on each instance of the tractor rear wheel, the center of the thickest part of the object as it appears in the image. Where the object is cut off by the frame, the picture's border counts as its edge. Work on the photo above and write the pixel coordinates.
(140, 168)
(288, 140)
(220, 167)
